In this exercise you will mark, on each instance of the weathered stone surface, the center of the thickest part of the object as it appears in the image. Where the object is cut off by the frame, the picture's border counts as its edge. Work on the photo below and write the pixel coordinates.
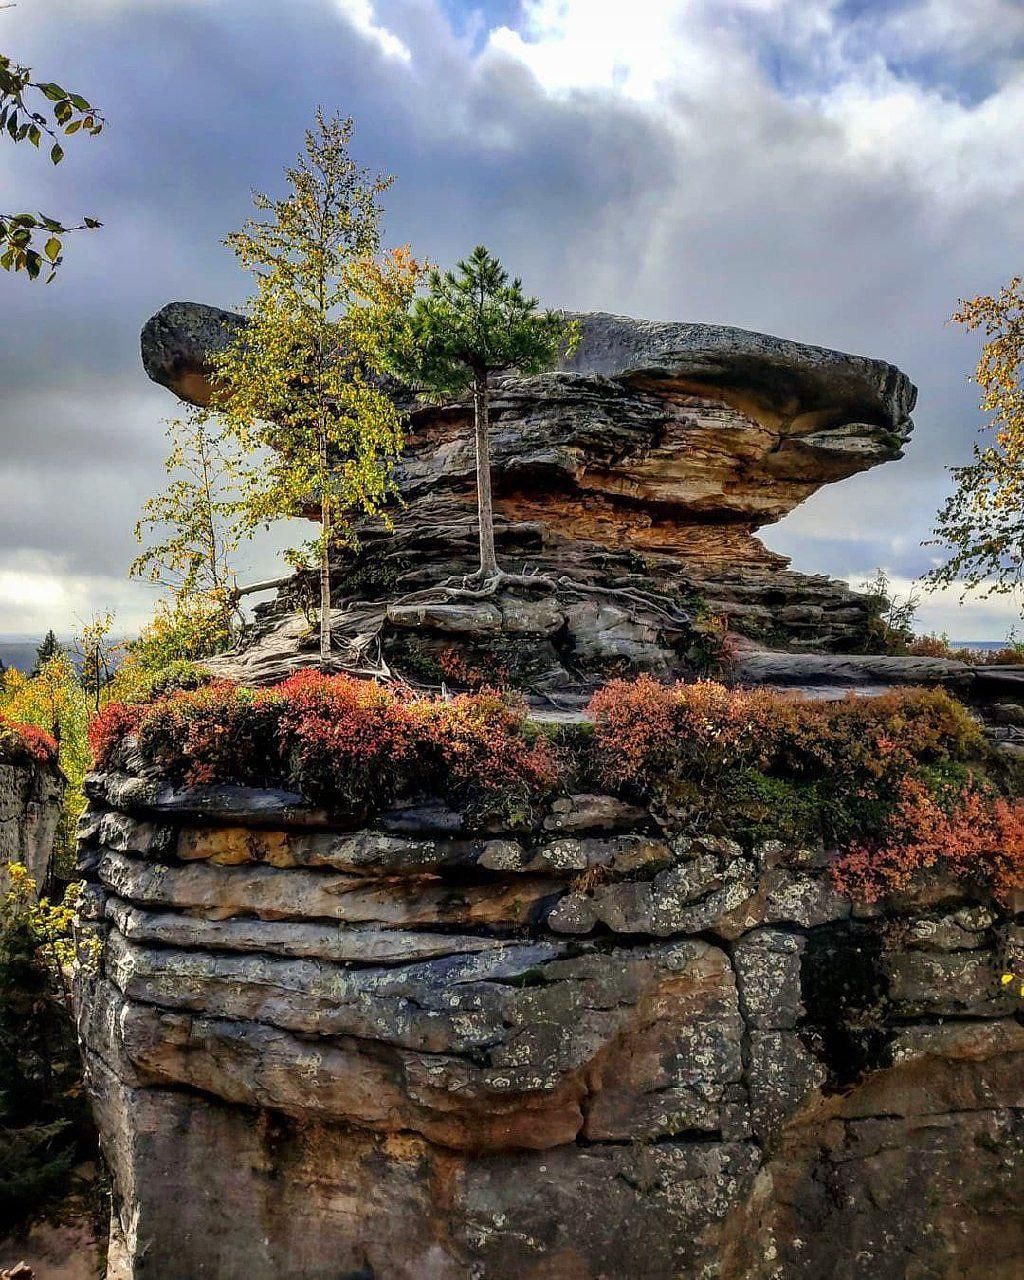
(271, 893)
(850, 670)
(713, 886)
(908, 1174)
(423, 1051)
(782, 1074)
(962, 982)
(315, 1200)
(213, 803)
(593, 813)
(30, 809)
(364, 944)
(768, 977)
(646, 462)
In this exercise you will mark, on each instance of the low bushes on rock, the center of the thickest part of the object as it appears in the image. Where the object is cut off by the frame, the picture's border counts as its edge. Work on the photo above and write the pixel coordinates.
(646, 732)
(761, 764)
(26, 742)
(352, 745)
(894, 780)
(965, 831)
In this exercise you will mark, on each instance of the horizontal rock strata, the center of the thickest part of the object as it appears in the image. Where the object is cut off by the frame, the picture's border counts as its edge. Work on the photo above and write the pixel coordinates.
(644, 464)
(416, 1050)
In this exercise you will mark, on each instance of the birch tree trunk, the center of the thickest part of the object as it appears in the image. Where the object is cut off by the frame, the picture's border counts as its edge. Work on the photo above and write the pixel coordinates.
(325, 557)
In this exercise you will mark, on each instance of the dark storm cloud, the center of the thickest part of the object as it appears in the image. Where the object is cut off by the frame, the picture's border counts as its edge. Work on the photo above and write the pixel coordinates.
(726, 202)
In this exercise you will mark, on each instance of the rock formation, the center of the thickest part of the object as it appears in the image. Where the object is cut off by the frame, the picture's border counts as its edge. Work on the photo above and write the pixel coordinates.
(644, 464)
(597, 1046)
(595, 1050)
(31, 793)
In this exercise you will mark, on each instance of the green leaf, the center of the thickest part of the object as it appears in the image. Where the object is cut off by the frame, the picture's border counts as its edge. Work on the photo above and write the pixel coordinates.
(53, 248)
(53, 91)
(73, 127)
(80, 102)
(56, 153)
(91, 223)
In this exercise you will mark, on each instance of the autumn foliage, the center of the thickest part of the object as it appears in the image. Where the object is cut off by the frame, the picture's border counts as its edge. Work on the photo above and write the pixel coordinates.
(965, 832)
(892, 780)
(648, 733)
(349, 744)
(26, 741)
(889, 779)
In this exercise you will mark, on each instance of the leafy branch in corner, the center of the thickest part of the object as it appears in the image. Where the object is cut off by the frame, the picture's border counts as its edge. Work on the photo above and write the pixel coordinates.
(32, 242)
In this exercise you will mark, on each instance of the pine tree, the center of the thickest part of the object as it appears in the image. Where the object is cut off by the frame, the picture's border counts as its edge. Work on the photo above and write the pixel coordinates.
(472, 323)
(50, 648)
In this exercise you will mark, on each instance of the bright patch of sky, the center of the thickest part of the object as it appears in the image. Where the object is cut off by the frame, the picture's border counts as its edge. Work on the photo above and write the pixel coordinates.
(361, 15)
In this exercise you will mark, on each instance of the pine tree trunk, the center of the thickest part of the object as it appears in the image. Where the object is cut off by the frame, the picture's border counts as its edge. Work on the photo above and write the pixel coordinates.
(481, 406)
(325, 560)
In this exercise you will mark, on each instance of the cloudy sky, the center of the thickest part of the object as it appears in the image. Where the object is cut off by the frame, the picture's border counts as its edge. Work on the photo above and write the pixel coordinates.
(835, 171)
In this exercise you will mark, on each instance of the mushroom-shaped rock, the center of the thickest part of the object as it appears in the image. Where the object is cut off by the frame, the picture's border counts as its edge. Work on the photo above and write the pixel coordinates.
(645, 461)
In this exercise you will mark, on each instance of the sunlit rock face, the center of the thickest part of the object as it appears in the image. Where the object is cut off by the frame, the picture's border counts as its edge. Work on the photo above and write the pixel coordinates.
(592, 1049)
(647, 460)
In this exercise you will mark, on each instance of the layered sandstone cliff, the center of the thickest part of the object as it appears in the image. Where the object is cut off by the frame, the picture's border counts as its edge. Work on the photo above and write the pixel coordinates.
(597, 1048)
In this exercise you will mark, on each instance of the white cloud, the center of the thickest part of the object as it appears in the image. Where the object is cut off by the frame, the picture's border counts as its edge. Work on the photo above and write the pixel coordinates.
(634, 50)
(37, 593)
(360, 13)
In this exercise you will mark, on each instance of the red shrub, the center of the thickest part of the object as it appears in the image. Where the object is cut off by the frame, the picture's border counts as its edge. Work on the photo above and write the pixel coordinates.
(350, 744)
(108, 729)
(477, 744)
(456, 668)
(976, 836)
(27, 740)
(219, 733)
(646, 732)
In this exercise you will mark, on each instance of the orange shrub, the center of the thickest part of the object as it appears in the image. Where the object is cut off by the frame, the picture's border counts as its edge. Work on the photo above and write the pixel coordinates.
(877, 737)
(476, 742)
(646, 732)
(643, 729)
(109, 728)
(974, 835)
(341, 737)
(218, 733)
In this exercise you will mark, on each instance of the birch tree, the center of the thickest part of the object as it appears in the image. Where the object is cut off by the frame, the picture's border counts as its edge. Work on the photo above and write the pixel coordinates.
(192, 528)
(302, 381)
